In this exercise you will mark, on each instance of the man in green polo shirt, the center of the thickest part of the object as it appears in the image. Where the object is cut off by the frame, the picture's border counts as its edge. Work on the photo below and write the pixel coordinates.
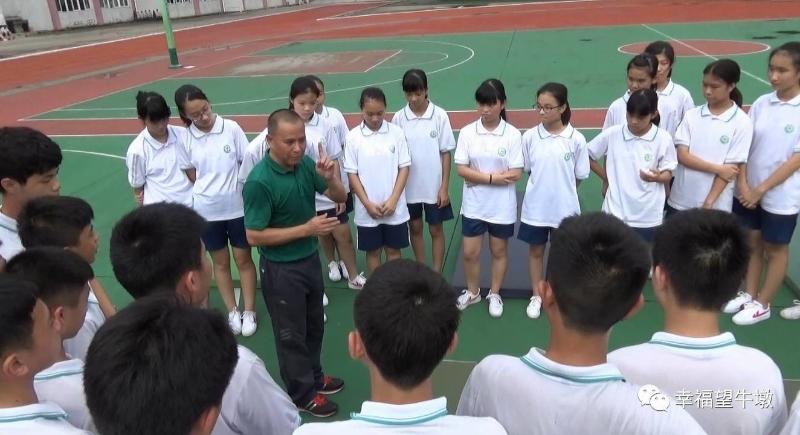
(281, 221)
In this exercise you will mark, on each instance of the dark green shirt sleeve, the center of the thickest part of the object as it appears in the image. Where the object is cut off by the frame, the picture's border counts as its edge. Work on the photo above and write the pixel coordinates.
(257, 205)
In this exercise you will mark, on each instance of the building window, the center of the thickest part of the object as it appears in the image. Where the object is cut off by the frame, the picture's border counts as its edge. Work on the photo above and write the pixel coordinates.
(73, 5)
(114, 3)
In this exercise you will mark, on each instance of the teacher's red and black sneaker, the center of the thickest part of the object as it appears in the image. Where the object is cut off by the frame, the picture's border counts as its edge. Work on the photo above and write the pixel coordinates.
(330, 385)
(320, 406)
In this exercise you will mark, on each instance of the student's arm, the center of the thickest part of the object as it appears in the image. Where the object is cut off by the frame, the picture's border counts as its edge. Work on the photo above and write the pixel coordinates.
(403, 163)
(784, 171)
(191, 174)
(358, 189)
(2, 264)
(106, 306)
(473, 176)
(136, 174)
(138, 195)
(725, 171)
(443, 198)
(716, 190)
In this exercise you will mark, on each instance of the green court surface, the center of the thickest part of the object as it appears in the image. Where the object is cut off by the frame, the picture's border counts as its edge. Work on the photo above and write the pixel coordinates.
(586, 60)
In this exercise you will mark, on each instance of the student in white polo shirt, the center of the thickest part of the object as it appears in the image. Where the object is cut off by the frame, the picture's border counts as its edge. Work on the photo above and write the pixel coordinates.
(700, 258)
(430, 141)
(641, 74)
(670, 94)
(215, 148)
(157, 158)
(793, 424)
(595, 275)
(489, 158)
(401, 353)
(61, 277)
(30, 343)
(376, 160)
(712, 143)
(768, 199)
(557, 161)
(639, 160)
(28, 169)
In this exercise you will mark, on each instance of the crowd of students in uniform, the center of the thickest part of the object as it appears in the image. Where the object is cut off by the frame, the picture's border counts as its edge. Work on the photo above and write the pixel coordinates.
(703, 200)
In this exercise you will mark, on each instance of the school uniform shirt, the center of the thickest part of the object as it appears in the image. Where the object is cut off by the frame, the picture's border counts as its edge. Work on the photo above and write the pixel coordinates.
(336, 119)
(717, 381)
(318, 130)
(253, 403)
(78, 345)
(670, 112)
(216, 156)
(428, 417)
(62, 384)
(490, 152)
(637, 202)
(719, 139)
(533, 395)
(776, 138)
(159, 167)
(253, 154)
(617, 111)
(376, 157)
(43, 418)
(9, 237)
(428, 136)
(676, 102)
(793, 424)
(555, 163)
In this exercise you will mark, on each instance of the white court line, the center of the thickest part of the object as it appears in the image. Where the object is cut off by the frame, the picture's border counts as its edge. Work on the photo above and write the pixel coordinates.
(342, 17)
(92, 152)
(764, 48)
(384, 60)
(702, 52)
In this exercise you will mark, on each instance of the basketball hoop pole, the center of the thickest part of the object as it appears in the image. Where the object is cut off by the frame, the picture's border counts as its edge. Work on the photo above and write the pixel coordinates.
(173, 52)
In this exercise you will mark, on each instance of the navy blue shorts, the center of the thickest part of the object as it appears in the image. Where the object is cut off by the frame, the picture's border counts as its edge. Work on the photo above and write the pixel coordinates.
(218, 233)
(647, 234)
(433, 214)
(776, 229)
(331, 212)
(534, 235)
(390, 236)
(476, 227)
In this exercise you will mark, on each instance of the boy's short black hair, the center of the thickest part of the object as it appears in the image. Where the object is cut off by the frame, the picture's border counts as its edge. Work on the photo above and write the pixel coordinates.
(406, 317)
(156, 366)
(705, 254)
(26, 152)
(59, 275)
(154, 245)
(597, 269)
(54, 221)
(17, 301)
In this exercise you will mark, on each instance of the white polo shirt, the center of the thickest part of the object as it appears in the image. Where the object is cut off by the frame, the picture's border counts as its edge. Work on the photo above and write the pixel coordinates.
(40, 418)
(718, 139)
(253, 403)
(428, 137)
(9, 236)
(216, 156)
(159, 167)
(253, 154)
(697, 372)
(62, 384)
(776, 138)
(336, 119)
(617, 111)
(793, 424)
(428, 417)
(490, 152)
(376, 157)
(78, 345)
(533, 395)
(318, 130)
(555, 163)
(677, 101)
(637, 202)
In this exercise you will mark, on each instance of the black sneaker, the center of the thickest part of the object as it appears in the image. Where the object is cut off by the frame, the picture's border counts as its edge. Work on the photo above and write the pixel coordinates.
(320, 406)
(330, 385)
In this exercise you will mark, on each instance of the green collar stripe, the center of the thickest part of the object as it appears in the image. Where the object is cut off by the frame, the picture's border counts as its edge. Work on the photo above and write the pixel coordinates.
(694, 346)
(34, 416)
(580, 379)
(400, 421)
(48, 376)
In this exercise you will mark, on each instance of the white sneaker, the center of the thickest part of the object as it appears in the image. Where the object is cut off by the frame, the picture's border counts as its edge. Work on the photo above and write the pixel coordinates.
(235, 321)
(736, 304)
(534, 309)
(358, 282)
(467, 298)
(248, 323)
(343, 269)
(792, 313)
(334, 274)
(752, 313)
(324, 300)
(495, 304)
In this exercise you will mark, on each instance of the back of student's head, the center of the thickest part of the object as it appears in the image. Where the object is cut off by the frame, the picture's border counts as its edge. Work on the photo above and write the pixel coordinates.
(705, 255)
(642, 103)
(26, 152)
(158, 367)
(60, 276)
(151, 106)
(153, 246)
(17, 301)
(406, 318)
(729, 72)
(54, 221)
(597, 269)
